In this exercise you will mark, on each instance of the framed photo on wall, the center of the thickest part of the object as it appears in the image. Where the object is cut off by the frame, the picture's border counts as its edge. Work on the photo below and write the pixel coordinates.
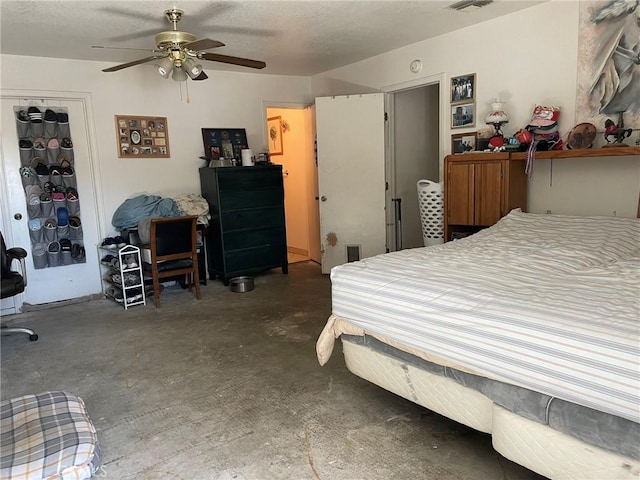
(136, 137)
(274, 129)
(463, 88)
(463, 142)
(463, 115)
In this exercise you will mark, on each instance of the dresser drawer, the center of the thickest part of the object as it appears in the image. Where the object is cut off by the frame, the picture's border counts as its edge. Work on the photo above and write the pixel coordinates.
(253, 237)
(255, 218)
(255, 259)
(247, 179)
(237, 200)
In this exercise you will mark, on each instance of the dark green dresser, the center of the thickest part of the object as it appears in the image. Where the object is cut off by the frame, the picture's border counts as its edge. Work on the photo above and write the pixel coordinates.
(247, 232)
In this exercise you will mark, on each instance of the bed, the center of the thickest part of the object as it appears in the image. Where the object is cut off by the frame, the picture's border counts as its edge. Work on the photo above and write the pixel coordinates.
(527, 330)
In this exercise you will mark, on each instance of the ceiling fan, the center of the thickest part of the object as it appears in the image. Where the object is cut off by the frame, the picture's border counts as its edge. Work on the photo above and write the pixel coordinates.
(177, 53)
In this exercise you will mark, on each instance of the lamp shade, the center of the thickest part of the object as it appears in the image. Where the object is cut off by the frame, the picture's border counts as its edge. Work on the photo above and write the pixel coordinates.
(497, 115)
(192, 68)
(164, 67)
(179, 75)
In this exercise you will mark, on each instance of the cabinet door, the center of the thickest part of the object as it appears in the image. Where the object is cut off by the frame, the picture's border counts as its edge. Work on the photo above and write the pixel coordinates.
(460, 194)
(488, 185)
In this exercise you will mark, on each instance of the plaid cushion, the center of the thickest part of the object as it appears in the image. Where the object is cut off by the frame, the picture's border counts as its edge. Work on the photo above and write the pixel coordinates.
(46, 436)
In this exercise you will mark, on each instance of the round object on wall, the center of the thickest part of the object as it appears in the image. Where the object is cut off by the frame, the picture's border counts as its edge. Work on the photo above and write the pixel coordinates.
(415, 66)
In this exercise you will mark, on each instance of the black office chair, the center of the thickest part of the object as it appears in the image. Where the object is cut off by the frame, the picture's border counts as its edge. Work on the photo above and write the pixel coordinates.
(14, 282)
(173, 252)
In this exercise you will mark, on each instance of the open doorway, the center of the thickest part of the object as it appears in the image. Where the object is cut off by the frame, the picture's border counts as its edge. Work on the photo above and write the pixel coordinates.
(413, 154)
(292, 146)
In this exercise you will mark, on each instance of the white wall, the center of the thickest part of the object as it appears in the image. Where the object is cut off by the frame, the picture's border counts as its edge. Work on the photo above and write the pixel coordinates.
(526, 58)
(226, 99)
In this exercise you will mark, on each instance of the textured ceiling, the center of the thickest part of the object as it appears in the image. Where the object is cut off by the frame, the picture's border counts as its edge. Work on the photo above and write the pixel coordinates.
(293, 37)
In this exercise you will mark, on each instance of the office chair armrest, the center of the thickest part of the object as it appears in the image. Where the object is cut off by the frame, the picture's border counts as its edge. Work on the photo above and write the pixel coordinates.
(16, 253)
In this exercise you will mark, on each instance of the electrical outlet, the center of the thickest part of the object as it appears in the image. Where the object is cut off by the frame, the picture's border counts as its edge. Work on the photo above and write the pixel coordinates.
(548, 212)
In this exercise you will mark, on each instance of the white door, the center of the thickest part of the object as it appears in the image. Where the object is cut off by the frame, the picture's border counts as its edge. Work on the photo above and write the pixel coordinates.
(351, 178)
(313, 195)
(53, 284)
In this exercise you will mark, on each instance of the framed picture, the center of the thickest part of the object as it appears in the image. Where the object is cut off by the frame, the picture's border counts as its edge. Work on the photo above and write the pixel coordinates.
(274, 130)
(134, 132)
(463, 142)
(463, 88)
(224, 142)
(463, 115)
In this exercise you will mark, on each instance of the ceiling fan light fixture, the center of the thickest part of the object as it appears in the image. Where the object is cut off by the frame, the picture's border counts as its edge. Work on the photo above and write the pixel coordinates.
(164, 67)
(193, 69)
(179, 75)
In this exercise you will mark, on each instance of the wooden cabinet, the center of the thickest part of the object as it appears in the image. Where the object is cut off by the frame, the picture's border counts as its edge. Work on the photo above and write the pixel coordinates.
(481, 188)
(247, 231)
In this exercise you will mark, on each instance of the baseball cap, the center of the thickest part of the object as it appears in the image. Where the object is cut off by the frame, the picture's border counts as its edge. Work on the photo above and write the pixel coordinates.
(544, 116)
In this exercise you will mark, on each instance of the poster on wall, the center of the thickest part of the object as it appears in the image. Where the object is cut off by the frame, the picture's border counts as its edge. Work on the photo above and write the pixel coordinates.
(142, 137)
(608, 80)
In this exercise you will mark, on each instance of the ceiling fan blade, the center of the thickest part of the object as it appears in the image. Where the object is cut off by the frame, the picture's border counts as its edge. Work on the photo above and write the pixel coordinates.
(203, 44)
(123, 48)
(243, 62)
(202, 76)
(131, 64)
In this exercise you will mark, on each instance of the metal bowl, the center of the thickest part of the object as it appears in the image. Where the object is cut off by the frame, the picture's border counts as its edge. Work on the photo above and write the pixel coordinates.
(241, 284)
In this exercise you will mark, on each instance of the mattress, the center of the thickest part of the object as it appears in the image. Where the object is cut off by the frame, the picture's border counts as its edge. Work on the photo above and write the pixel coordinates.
(546, 302)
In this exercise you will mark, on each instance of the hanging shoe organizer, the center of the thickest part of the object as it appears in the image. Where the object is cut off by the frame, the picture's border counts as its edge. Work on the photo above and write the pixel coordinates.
(50, 187)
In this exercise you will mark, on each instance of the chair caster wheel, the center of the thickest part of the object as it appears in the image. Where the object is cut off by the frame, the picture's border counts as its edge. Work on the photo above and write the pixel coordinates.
(33, 337)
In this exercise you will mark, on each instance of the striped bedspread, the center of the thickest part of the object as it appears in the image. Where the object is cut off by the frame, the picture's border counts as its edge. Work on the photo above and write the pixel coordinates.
(547, 302)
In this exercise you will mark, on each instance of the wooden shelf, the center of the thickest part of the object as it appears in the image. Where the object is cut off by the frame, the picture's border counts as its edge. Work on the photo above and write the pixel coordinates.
(584, 152)
(473, 156)
(580, 153)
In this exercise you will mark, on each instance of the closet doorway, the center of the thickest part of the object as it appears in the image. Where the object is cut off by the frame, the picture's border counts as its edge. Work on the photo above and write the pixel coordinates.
(413, 153)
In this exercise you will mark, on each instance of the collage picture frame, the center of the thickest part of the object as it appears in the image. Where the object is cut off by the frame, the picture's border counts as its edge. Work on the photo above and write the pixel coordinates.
(142, 137)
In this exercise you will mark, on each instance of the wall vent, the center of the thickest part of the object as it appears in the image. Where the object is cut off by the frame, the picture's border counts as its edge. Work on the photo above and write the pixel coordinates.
(353, 253)
(469, 4)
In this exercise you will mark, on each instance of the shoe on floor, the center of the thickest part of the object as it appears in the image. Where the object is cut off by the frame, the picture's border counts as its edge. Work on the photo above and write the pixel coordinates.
(131, 261)
(109, 243)
(119, 241)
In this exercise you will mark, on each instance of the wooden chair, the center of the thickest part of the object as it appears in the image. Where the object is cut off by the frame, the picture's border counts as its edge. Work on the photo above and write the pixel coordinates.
(172, 241)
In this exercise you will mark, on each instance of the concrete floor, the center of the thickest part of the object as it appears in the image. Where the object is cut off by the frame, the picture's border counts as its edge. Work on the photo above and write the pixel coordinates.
(229, 388)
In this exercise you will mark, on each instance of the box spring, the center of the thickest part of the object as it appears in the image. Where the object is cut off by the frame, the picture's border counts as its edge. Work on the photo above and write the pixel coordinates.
(552, 437)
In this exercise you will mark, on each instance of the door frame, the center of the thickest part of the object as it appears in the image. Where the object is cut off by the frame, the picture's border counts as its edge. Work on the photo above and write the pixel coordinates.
(266, 104)
(390, 160)
(26, 97)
